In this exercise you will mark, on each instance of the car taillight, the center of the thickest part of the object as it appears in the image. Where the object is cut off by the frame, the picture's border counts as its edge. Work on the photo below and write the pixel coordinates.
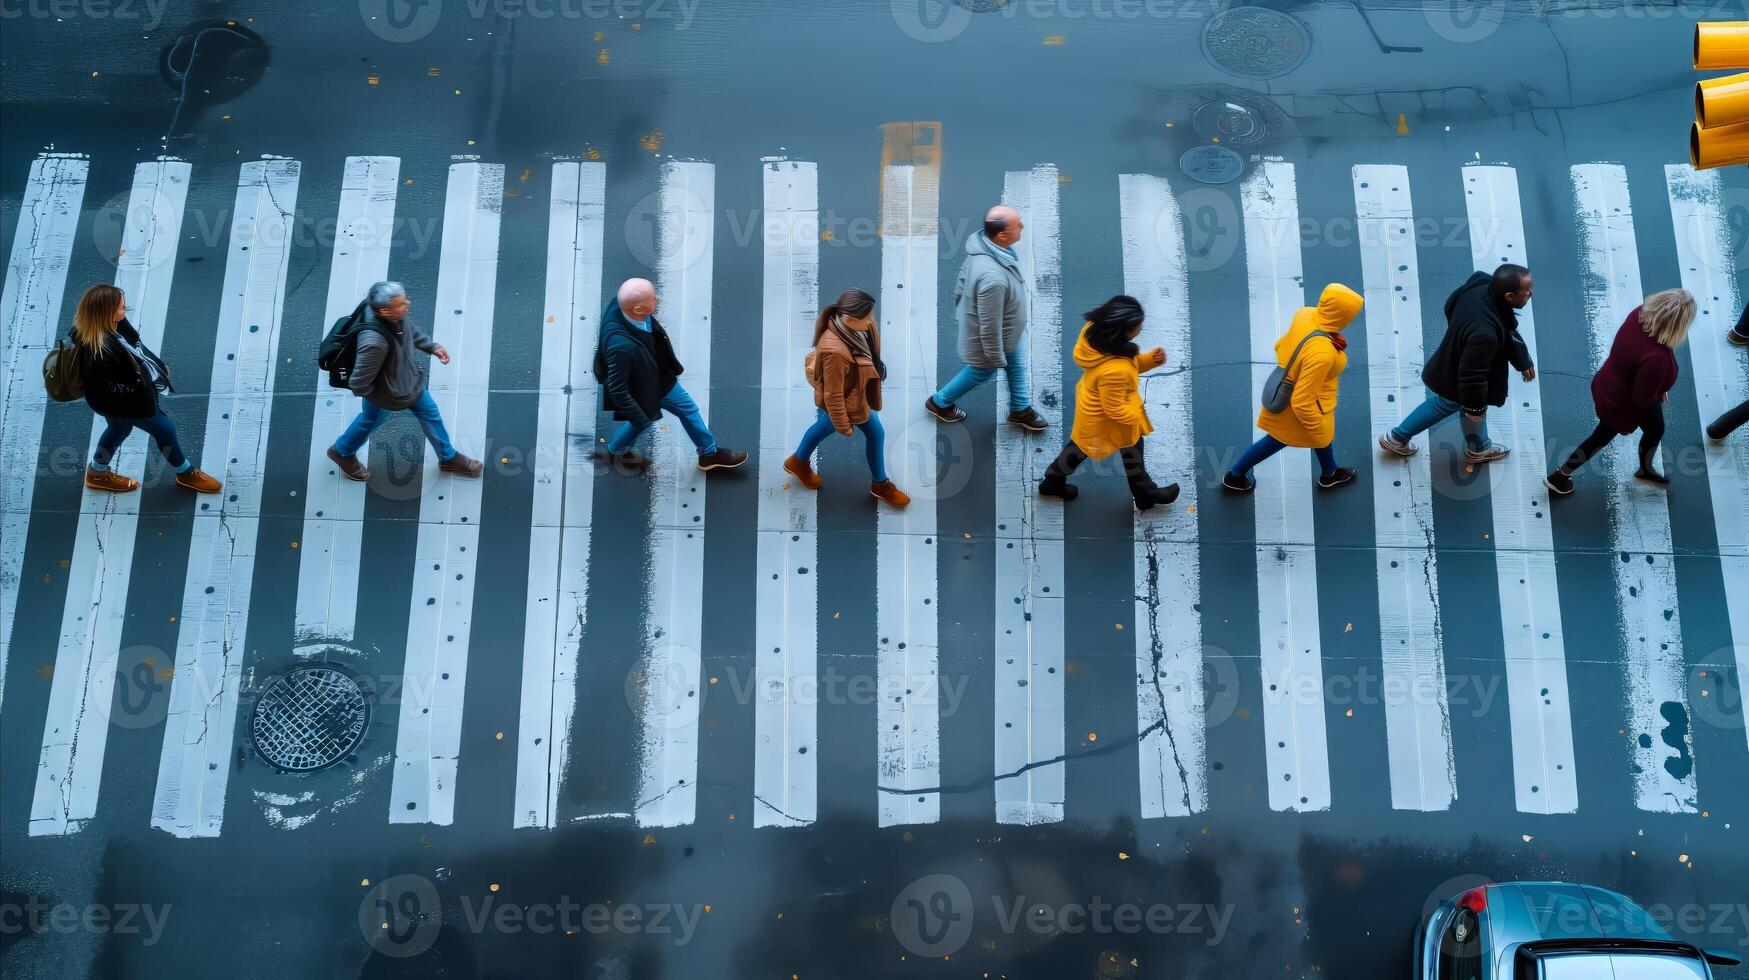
(1476, 900)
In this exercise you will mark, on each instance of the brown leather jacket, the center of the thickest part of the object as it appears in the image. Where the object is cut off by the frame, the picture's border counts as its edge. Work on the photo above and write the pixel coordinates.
(846, 386)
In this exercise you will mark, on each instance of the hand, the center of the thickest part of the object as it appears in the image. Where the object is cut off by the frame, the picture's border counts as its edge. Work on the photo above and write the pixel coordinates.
(441, 355)
(1158, 356)
(1529, 373)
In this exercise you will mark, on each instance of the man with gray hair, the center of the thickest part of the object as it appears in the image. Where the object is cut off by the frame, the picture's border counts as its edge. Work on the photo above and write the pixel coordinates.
(390, 378)
(990, 301)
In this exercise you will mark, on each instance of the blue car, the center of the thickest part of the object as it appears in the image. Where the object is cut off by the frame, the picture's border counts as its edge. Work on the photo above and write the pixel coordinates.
(1550, 930)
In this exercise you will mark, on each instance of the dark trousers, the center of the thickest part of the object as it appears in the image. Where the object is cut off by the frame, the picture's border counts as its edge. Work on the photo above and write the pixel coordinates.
(159, 427)
(1142, 486)
(1742, 327)
(1651, 433)
(1729, 422)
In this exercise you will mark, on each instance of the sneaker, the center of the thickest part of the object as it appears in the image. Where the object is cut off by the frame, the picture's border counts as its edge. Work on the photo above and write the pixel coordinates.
(1341, 477)
(1650, 475)
(1029, 419)
(198, 482)
(460, 465)
(1487, 454)
(804, 473)
(1559, 482)
(1159, 496)
(350, 467)
(947, 413)
(1064, 491)
(109, 480)
(628, 462)
(1737, 338)
(1401, 447)
(886, 491)
(722, 459)
(1237, 483)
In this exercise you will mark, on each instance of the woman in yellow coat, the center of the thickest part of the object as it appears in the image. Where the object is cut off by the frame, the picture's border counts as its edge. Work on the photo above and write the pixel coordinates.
(1109, 414)
(1309, 421)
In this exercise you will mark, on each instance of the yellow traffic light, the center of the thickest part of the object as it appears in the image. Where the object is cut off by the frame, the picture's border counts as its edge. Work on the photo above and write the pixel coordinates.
(1720, 135)
(1722, 44)
(1718, 146)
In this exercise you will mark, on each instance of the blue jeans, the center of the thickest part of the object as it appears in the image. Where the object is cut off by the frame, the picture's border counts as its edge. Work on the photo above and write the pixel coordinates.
(1019, 385)
(1268, 446)
(159, 427)
(874, 442)
(680, 405)
(1434, 410)
(371, 415)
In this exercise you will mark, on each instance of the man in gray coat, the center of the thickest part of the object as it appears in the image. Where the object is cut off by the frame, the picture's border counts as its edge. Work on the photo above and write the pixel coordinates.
(387, 375)
(990, 300)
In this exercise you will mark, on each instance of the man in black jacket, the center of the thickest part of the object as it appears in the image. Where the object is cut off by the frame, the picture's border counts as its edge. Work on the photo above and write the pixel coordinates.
(639, 376)
(1467, 372)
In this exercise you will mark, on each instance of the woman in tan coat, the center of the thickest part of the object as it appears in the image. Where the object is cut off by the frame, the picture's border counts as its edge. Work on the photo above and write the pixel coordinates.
(846, 372)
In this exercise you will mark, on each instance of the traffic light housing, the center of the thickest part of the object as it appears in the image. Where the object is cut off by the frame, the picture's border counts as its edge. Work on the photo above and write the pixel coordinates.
(1720, 134)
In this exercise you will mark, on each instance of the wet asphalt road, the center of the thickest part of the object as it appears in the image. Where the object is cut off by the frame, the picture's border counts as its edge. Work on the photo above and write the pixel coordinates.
(1251, 892)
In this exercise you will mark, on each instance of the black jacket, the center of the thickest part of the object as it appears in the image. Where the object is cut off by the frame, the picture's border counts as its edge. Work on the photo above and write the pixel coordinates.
(1481, 338)
(636, 368)
(117, 385)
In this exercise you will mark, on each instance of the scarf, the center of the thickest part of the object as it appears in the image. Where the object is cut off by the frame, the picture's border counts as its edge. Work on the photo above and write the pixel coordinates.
(858, 342)
(1338, 341)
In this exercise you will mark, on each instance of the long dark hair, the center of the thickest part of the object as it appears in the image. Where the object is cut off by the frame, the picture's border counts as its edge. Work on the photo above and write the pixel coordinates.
(1109, 325)
(852, 302)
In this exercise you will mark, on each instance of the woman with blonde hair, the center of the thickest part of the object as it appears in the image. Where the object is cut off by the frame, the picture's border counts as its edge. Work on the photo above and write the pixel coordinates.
(846, 372)
(1633, 384)
(123, 380)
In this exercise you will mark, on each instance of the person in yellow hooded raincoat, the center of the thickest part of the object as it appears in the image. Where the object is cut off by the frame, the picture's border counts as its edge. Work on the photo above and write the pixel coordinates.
(1109, 414)
(1309, 421)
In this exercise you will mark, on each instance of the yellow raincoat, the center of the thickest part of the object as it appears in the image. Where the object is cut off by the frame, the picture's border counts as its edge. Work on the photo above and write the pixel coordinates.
(1109, 414)
(1310, 420)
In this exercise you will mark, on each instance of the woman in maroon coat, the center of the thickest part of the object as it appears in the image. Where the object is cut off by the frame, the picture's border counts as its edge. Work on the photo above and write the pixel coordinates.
(1633, 384)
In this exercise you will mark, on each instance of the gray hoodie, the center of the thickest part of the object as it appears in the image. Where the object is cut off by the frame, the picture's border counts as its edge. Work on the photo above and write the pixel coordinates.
(385, 370)
(990, 300)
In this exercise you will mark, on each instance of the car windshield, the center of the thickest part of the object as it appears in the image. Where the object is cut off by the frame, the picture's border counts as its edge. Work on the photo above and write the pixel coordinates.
(1622, 966)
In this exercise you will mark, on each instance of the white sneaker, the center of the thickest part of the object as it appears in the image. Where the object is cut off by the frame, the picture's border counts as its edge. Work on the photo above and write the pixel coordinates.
(1487, 454)
(1401, 447)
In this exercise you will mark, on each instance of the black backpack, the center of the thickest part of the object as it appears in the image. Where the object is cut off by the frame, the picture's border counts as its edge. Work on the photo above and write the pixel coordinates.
(339, 347)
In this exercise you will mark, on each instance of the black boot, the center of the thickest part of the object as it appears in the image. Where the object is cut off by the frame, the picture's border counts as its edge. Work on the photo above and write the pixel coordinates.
(1061, 489)
(1156, 496)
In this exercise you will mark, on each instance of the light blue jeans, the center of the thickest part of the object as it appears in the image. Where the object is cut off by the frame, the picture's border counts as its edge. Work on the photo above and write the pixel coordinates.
(680, 405)
(370, 415)
(873, 435)
(1019, 385)
(1436, 409)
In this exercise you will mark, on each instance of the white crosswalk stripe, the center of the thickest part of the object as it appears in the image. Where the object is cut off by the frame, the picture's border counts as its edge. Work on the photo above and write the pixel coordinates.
(1287, 564)
(1029, 534)
(30, 317)
(1411, 637)
(1027, 750)
(328, 552)
(1721, 381)
(76, 731)
(212, 634)
(1524, 547)
(564, 491)
(786, 706)
(1656, 699)
(441, 611)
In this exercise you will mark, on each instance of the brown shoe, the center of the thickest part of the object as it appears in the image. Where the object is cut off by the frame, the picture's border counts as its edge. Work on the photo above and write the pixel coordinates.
(199, 482)
(885, 490)
(109, 480)
(461, 465)
(350, 467)
(800, 469)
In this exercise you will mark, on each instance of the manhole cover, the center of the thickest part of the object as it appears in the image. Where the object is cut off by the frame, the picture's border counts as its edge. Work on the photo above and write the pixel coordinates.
(1255, 42)
(1211, 164)
(1229, 122)
(309, 719)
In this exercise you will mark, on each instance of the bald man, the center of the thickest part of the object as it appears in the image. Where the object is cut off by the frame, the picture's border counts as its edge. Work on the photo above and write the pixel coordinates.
(639, 375)
(990, 300)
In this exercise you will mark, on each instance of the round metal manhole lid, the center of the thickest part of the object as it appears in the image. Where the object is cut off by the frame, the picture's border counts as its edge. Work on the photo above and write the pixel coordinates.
(1256, 42)
(1229, 122)
(1211, 164)
(309, 718)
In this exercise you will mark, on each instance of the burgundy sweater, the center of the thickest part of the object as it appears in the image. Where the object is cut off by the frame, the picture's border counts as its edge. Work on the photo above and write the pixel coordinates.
(1634, 377)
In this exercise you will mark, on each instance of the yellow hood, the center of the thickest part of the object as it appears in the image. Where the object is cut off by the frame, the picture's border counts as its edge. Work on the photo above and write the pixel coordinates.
(1085, 355)
(1338, 307)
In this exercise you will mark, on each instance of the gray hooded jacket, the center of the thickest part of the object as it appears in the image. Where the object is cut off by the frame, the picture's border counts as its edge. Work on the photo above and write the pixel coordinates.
(385, 371)
(990, 300)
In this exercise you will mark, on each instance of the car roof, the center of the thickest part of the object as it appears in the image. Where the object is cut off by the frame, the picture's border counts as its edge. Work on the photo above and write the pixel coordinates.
(1537, 911)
